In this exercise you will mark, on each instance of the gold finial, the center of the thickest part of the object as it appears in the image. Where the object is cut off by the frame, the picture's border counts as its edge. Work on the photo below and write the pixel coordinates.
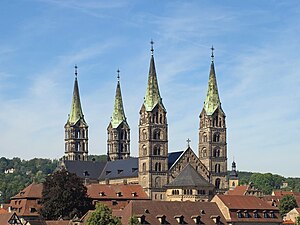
(152, 49)
(212, 53)
(188, 141)
(118, 71)
(76, 73)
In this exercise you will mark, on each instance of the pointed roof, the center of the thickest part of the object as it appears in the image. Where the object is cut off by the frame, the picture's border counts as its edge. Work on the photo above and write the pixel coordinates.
(233, 172)
(152, 97)
(189, 177)
(212, 101)
(118, 115)
(76, 110)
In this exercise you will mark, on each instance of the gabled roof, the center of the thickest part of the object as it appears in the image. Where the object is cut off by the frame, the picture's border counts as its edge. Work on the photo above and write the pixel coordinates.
(189, 177)
(33, 191)
(242, 202)
(120, 169)
(85, 169)
(172, 157)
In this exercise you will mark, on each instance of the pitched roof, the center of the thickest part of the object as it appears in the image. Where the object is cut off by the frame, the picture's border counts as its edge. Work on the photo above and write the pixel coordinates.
(103, 191)
(85, 169)
(172, 157)
(245, 202)
(153, 210)
(33, 190)
(118, 115)
(4, 218)
(120, 169)
(282, 193)
(238, 190)
(57, 222)
(189, 177)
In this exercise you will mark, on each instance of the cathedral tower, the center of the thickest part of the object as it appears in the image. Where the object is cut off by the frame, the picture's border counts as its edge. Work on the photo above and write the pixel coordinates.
(76, 129)
(212, 134)
(153, 139)
(118, 131)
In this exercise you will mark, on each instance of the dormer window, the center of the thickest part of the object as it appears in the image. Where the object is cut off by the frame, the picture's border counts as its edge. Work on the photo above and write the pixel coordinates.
(255, 214)
(107, 172)
(101, 193)
(272, 214)
(161, 219)
(120, 171)
(239, 214)
(119, 194)
(215, 218)
(179, 219)
(246, 214)
(196, 219)
(134, 194)
(266, 215)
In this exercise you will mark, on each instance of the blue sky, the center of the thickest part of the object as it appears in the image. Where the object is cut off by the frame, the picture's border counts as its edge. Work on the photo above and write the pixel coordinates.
(256, 57)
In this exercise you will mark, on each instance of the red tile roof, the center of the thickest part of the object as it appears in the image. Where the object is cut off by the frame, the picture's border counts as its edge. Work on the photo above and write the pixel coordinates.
(34, 190)
(152, 211)
(3, 211)
(116, 191)
(238, 190)
(57, 222)
(282, 193)
(245, 202)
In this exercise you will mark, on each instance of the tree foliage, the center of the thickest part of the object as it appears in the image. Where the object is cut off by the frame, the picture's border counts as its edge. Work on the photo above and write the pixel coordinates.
(24, 173)
(286, 204)
(133, 221)
(102, 216)
(65, 196)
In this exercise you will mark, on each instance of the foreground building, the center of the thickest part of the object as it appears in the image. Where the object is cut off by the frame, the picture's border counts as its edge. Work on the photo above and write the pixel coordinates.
(241, 209)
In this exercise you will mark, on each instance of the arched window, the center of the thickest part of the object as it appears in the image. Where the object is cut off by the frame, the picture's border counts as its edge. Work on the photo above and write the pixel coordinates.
(156, 150)
(204, 152)
(217, 168)
(204, 137)
(233, 184)
(157, 182)
(216, 152)
(157, 166)
(144, 150)
(216, 137)
(144, 167)
(217, 183)
(156, 135)
(144, 134)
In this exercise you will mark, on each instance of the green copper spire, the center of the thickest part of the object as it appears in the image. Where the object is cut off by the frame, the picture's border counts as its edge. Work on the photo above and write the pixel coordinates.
(118, 115)
(76, 111)
(212, 101)
(152, 97)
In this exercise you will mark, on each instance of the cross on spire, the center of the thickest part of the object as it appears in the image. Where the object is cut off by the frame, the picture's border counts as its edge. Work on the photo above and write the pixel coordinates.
(118, 71)
(152, 49)
(188, 141)
(212, 53)
(75, 70)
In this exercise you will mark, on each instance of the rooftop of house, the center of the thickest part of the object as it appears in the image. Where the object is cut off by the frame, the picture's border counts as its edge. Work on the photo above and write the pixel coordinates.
(153, 212)
(116, 191)
(33, 191)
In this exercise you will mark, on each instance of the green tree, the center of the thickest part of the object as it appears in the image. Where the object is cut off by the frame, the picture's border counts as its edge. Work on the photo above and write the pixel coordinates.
(102, 216)
(286, 204)
(64, 195)
(133, 221)
(297, 222)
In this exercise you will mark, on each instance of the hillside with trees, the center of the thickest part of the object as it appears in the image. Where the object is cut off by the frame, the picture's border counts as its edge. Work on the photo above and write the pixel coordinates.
(16, 174)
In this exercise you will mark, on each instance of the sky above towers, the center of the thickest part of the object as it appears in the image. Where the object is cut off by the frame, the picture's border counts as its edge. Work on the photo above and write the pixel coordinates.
(256, 60)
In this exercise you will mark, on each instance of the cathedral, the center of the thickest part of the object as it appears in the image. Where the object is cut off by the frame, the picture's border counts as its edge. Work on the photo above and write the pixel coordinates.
(164, 175)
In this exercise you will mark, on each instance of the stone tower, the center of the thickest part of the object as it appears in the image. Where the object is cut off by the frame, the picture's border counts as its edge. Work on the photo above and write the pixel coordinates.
(118, 131)
(76, 129)
(233, 177)
(212, 134)
(153, 139)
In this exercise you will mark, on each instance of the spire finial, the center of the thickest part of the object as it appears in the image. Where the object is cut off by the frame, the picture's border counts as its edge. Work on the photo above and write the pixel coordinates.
(76, 73)
(188, 141)
(118, 71)
(152, 49)
(212, 53)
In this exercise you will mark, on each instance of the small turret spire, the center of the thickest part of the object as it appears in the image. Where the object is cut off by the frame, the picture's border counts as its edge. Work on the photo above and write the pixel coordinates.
(212, 101)
(152, 97)
(212, 53)
(76, 110)
(118, 115)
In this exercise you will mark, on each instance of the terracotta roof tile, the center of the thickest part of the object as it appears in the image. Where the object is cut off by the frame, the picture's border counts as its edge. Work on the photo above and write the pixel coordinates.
(238, 190)
(34, 190)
